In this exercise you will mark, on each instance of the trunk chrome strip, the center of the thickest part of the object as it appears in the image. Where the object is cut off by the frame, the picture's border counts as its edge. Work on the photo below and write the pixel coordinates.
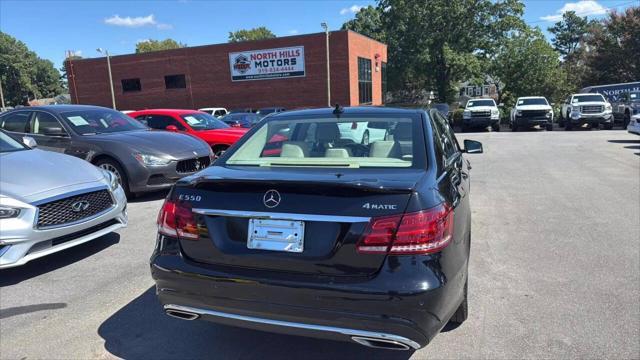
(344, 331)
(282, 216)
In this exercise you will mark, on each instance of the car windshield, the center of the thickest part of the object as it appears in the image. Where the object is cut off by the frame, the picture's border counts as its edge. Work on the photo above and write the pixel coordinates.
(588, 98)
(7, 144)
(536, 101)
(200, 121)
(386, 142)
(100, 121)
(473, 103)
(634, 97)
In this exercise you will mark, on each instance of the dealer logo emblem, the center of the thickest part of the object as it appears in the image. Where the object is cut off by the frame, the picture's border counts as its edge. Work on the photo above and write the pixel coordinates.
(271, 198)
(241, 64)
(79, 206)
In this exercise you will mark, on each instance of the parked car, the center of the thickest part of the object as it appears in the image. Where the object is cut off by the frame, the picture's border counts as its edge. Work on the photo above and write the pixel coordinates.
(142, 160)
(329, 238)
(214, 132)
(50, 202)
(242, 110)
(634, 124)
(531, 111)
(216, 112)
(627, 105)
(262, 112)
(481, 113)
(127, 111)
(616, 94)
(582, 110)
(361, 132)
(240, 120)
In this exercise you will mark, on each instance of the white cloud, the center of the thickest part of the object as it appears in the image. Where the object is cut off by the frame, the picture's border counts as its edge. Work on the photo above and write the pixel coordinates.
(581, 8)
(138, 21)
(352, 9)
(293, 32)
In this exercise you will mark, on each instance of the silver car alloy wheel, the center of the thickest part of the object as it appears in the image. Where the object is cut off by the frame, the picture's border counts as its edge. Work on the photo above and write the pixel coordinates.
(111, 168)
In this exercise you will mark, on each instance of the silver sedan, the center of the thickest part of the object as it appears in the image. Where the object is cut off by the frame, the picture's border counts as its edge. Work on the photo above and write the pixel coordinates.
(50, 202)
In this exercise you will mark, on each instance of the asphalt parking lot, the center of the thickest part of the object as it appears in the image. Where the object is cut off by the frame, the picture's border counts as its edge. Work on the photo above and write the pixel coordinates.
(555, 271)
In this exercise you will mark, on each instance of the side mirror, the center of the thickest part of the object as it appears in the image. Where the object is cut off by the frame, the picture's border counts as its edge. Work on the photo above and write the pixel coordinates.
(473, 147)
(29, 141)
(553, 104)
(54, 131)
(500, 105)
(172, 128)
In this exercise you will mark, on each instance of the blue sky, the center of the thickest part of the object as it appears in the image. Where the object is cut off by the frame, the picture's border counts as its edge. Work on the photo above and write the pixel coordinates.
(51, 27)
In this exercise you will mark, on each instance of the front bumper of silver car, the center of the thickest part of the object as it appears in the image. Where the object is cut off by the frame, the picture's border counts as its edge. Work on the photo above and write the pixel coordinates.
(22, 241)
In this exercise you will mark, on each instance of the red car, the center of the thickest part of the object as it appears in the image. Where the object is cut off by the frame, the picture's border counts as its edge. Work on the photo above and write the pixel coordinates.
(216, 133)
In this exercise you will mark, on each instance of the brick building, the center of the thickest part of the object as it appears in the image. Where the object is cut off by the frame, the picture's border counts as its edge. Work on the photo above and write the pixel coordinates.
(286, 71)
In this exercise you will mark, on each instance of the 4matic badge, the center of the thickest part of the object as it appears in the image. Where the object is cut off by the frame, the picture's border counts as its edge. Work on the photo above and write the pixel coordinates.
(380, 206)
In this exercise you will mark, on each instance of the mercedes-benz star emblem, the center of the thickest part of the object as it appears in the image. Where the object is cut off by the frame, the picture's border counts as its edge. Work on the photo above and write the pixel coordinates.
(271, 198)
(80, 206)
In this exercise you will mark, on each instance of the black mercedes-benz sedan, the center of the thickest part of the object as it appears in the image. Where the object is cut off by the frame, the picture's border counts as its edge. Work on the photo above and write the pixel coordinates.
(298, 229)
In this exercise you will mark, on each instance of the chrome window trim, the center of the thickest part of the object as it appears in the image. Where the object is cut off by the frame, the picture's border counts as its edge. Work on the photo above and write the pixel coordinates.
(344, 331)
(281, 216)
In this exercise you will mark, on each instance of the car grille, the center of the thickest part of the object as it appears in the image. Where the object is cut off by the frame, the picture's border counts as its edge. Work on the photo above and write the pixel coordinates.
(591, 109)
(481, 114)
(193, 165)
(67, 210)
(534, 113)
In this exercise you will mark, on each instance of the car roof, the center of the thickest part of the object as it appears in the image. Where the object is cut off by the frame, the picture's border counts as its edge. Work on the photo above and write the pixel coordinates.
(168, 111)
(212, 108)
(532, 97)
(57, 109)
(356, 110)
(580, 94)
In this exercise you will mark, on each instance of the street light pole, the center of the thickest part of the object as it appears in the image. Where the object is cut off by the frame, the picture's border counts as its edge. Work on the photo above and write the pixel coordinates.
(113, 95)
(326, 31)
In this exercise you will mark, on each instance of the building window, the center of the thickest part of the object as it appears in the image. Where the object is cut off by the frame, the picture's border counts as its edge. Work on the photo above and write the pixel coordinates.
(175, 82)
(129, 85)
(384, 79)
(364, 80)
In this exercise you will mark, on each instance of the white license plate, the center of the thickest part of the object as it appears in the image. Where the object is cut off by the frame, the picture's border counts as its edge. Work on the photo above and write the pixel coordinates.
(276, 235)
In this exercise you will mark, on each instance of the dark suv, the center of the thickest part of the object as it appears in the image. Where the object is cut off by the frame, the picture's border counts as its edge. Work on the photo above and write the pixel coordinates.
(325, 237)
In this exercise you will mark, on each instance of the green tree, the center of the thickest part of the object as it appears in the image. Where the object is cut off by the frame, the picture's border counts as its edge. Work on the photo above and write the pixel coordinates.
(368, 21)
(614, 49)
(258, 33)
(569, 33)
(528, 65)
(438, 43)
(156, 45)
(23, 74)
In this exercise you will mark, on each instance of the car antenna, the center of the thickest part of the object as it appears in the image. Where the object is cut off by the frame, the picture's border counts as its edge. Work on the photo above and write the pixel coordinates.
(338, 110)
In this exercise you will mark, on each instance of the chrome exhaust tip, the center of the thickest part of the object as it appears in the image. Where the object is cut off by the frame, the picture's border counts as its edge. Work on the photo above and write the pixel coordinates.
(182, 315)
(380, 343)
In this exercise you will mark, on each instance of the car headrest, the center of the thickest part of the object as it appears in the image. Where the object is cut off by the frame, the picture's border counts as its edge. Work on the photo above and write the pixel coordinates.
(292, 149)
(384, 149)
(337, 153)
(327, 132)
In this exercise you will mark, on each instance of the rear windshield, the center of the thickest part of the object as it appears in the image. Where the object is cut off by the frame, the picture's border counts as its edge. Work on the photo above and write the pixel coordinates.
(473, 103)
(588, 98)
(538, 101)
(352, 142)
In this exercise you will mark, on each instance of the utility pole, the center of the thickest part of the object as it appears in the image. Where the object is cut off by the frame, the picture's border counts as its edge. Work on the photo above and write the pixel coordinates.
(1, 94)
(326, 31)
(113, 95)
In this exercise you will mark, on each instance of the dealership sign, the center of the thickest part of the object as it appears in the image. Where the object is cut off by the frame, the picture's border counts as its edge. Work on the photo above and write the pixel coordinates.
(267, 64)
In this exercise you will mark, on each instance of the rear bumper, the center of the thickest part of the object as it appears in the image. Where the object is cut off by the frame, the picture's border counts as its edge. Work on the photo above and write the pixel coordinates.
(408, 301)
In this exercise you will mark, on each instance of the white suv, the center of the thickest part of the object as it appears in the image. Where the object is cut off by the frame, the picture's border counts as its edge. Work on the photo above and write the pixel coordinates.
(531, 111)
(481, 113)
(584, 110)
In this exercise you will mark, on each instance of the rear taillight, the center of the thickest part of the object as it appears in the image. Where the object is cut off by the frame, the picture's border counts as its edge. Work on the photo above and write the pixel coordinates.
(421, 232)
(176, 219)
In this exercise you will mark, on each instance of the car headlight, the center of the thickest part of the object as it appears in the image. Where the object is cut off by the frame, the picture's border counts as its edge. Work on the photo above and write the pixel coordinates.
(519, 112)
(466, 114)
(549, 113)
(607, 107)
(495, 112)
(7, 212)
(151, 160)
(111, 178)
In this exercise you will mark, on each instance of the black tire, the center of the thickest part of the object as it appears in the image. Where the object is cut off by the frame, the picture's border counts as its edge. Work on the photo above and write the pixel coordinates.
(496, 127)
(365, 138)
(463, 128)
(608, 126)
(594, 127)
(568, 126)
(626, 120)
(514, 127)
(462, 312)
(218, 150)
(121, 175)
(549, 127)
